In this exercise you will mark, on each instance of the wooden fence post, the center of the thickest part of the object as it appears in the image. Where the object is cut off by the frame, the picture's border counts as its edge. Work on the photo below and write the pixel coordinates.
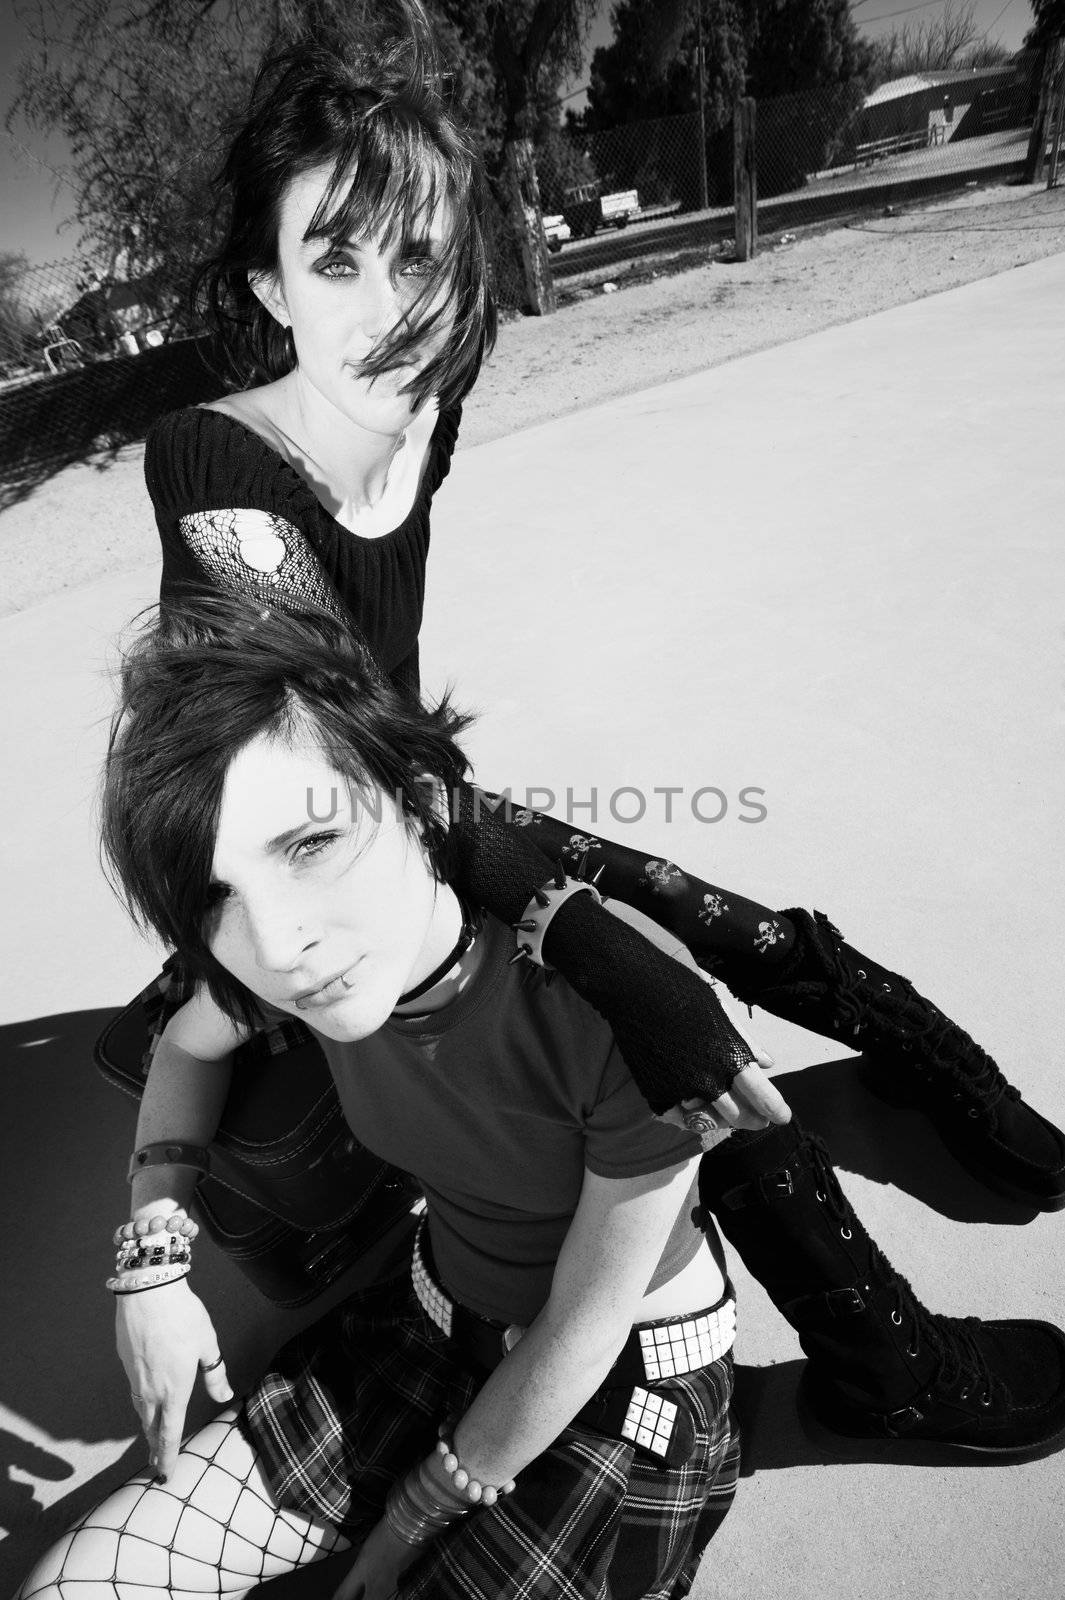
(1037, 144)
(1055, 117)
(745, 183)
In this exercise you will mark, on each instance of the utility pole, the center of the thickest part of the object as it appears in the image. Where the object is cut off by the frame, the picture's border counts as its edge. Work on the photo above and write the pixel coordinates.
(704, 194)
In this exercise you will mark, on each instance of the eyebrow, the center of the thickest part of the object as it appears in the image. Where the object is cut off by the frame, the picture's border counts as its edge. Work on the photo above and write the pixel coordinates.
(282, 841)
(425, 242)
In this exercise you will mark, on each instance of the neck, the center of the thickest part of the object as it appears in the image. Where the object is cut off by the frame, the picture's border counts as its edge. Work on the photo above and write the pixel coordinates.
(347, 465)
(444, 942)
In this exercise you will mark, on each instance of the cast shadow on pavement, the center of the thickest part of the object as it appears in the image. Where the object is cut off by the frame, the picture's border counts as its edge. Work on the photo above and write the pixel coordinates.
(65, 1140)
(866, 1135)
(64, 1145)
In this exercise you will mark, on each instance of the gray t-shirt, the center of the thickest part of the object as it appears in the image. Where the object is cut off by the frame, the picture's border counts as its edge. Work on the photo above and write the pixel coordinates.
(497, 1104)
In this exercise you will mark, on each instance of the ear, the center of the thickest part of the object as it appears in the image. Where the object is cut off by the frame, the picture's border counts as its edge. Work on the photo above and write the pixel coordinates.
(436, 792)
(266, 287)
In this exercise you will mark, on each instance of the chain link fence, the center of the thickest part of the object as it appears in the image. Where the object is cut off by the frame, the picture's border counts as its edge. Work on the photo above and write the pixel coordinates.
(819, 154)
(88, 363)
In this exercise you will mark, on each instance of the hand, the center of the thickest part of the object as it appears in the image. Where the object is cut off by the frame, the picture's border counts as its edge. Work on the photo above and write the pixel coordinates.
(382, 1560)
(164, 1337)
(751, 1101)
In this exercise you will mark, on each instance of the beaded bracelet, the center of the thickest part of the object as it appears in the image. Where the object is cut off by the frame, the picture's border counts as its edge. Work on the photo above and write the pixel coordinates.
(177, 1222)
(136, 1253)
(152, 1251)
(476, 1493)
(147, 1278)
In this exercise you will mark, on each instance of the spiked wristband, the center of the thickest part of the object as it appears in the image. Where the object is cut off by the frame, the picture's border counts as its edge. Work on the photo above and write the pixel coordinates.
(531, 929)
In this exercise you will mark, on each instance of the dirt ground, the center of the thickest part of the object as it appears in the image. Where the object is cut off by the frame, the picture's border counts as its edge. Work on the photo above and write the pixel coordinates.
(625, 331)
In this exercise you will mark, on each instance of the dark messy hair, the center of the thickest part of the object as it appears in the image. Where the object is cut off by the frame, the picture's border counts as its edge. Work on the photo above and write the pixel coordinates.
(201, 680)
(378, 116)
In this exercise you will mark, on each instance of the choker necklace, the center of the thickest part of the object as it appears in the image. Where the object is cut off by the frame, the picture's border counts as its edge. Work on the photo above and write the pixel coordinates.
(467, 934)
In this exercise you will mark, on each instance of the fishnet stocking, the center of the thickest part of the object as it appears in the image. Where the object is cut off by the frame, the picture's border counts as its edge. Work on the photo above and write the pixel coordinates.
(213, 1528)
(255, 553)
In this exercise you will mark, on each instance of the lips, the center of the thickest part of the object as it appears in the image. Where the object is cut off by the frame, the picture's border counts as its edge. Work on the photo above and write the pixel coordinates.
(326, 993)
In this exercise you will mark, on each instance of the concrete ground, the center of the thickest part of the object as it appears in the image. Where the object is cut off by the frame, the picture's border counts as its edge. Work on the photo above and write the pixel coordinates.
(831, 572)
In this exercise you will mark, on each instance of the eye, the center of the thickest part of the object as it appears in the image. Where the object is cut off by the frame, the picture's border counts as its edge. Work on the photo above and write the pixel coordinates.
(314, 844)
(335, 267)
(214, 909)
(419, 267)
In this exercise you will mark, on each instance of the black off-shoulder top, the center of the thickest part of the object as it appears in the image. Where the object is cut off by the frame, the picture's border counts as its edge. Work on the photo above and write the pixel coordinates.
(199, 461)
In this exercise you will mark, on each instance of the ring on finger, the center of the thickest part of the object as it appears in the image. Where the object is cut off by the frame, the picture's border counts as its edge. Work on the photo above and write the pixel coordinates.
(701, 1122)
(211, 1366)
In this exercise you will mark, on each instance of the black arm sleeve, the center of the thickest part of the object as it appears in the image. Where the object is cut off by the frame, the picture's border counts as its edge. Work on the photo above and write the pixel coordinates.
(676, 1039)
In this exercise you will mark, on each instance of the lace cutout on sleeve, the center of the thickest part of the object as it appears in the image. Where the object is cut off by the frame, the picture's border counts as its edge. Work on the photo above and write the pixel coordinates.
(255, 553)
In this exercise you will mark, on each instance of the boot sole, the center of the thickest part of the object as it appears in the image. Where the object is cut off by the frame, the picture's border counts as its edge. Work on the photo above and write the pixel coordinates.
(878, 1080)
(908, 1449)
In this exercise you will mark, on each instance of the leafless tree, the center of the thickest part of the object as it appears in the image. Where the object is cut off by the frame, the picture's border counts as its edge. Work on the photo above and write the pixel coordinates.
(951, 40)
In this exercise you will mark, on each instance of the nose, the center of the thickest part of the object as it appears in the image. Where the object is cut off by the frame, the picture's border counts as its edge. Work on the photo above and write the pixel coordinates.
(379, 305)
(280, 934)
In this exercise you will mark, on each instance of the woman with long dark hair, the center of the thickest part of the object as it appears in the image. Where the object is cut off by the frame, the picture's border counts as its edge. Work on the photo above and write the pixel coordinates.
(352, 293)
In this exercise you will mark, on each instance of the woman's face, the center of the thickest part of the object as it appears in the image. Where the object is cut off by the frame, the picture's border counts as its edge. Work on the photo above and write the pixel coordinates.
(341, 302)
(329, 919)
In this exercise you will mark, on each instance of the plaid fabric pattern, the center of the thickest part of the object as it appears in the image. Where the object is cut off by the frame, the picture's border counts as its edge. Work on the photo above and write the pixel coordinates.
(351, 1404)
(168, 992)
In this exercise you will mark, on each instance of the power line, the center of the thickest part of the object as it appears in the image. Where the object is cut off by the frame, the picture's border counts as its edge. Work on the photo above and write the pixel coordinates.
(1000, 14)
(928, 5)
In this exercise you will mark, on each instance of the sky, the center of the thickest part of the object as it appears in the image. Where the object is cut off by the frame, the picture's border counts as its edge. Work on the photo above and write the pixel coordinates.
(33, 208)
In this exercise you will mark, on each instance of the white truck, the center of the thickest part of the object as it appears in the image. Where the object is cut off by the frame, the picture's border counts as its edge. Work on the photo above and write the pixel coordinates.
(585, 208)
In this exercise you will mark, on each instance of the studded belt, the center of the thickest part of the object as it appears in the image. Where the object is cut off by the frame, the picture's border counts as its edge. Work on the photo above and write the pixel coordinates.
(654, 1352)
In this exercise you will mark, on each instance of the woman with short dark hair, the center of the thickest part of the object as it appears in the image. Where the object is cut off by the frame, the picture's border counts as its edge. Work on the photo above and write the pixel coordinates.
(540, 1407)
(351, 292)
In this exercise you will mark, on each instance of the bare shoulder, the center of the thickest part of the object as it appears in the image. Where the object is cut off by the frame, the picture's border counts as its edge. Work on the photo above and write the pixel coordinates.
(256, 408)
(202, 1029)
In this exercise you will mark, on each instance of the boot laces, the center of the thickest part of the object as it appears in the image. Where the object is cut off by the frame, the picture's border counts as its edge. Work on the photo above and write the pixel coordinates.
(950, 1340)
(914, 1022)
(829, 1190)
(970, 1067)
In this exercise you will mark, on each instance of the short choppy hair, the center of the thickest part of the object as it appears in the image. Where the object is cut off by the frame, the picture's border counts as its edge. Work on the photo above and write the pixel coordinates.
(198, 682)
(379, 117)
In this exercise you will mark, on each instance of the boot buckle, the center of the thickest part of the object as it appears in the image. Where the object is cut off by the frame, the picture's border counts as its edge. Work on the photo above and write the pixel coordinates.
(845, 1302)
(776, 1185)
(899, 1422)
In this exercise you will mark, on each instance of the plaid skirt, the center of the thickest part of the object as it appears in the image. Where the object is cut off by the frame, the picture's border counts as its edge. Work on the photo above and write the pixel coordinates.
(352, 1403)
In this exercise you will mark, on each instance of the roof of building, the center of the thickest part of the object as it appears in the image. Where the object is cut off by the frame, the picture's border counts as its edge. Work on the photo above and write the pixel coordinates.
(915, 82)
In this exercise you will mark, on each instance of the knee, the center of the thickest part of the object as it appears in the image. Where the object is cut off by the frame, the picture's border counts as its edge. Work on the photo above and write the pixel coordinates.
(84, 1555)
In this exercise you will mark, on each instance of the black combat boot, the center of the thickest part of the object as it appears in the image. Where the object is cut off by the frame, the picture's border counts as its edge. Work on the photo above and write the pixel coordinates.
(879, 1364)
(921, 1057)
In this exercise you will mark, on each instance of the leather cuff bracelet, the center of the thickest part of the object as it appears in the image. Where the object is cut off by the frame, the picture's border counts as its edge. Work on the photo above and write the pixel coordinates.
(170, 1153)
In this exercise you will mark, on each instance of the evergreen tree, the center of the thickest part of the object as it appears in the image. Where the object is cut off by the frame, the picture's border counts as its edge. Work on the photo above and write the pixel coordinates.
(144, 90)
